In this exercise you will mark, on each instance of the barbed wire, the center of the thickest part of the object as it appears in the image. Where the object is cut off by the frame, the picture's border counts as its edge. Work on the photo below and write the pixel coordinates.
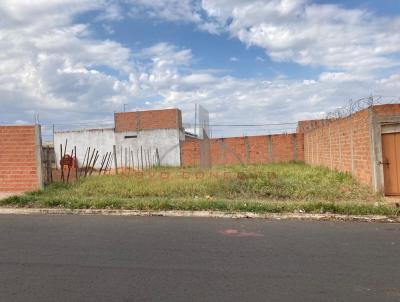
(219, 130)
(361, 104)
(352, 107)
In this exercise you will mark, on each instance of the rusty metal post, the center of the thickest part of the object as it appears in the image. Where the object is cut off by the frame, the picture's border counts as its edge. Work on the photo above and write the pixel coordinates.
(49, 170)
(115, 159)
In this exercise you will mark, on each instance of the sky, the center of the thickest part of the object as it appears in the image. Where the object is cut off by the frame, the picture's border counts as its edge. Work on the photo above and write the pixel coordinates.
(76, 62)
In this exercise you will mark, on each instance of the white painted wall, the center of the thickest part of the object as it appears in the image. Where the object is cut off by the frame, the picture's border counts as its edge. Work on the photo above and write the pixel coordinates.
(167, 141)
(101, 139)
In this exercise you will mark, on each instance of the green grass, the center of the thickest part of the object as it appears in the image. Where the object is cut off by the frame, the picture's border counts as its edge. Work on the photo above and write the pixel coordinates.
(274, 188)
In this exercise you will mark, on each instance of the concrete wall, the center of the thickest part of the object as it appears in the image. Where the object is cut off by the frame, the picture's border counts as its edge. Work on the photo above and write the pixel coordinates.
(247, 149)
(134, 131)
(101, 139)
(165, 140)
(20, 158)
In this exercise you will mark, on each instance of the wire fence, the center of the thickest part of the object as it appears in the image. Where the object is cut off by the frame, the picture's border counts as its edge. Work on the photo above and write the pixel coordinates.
(224, 130)
(241, 129)
(352, 107)
(215, 130)
(62, 165)
(49, 129)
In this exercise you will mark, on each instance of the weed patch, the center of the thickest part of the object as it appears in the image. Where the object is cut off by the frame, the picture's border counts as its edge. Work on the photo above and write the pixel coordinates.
(270, 188)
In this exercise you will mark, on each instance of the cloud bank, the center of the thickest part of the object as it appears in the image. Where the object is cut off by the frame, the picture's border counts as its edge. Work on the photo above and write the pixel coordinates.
(55, 65)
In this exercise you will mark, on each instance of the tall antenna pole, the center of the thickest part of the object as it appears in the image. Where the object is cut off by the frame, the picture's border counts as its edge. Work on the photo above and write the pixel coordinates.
(195, 118)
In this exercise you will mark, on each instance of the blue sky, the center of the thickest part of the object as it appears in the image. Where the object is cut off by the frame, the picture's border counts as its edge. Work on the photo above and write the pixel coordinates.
(221, 51)
(246, 61)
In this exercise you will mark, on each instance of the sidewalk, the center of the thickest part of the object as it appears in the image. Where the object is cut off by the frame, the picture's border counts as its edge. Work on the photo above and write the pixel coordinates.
(203, 214)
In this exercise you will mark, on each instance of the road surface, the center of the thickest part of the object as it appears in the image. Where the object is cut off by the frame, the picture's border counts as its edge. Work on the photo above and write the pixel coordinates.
(103, 258)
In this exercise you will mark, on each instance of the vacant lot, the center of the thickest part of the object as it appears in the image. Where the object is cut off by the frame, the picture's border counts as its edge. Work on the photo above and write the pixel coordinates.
(258, 188)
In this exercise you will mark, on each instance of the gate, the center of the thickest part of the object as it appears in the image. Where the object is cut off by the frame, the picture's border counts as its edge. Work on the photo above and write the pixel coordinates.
(391, 162)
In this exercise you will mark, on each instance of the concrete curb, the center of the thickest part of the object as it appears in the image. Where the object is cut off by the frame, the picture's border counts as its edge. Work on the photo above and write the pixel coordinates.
(208, 214)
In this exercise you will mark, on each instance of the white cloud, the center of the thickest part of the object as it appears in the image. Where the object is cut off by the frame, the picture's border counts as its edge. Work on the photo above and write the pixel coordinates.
(341, 77)
(292, 30)
(53, 65)
(111, 12)
(311, 34)
(49, 63)
(392, 82)
(29, 15)
(169, 10)
(199, 79)
(233, 59)
(165, 54)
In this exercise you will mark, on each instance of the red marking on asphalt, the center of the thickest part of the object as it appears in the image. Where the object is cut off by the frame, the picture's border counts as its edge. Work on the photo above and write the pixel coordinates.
(230, 232)
(236, 233)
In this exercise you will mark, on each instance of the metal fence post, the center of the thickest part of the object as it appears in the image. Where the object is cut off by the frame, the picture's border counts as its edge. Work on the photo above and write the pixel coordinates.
(115, 159)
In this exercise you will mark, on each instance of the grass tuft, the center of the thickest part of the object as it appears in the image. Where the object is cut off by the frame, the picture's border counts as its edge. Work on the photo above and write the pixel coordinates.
(271, 188)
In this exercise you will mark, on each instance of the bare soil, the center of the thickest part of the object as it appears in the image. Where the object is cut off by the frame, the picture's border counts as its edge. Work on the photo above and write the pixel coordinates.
(5, 195)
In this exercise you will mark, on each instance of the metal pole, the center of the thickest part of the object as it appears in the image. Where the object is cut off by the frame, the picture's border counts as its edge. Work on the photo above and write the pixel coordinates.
(61, 163)
(195, 119)
(115, 159)
(76, 164)
(49, 175)
(141, 156)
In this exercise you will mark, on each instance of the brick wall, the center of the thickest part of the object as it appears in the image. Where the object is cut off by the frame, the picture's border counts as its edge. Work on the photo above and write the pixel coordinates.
(190, 152)
(125, 121)
(387, 110)
(19, 170)
(304, 126)
(341, 144)
(248, 149)
(151, 119)
(344, 144)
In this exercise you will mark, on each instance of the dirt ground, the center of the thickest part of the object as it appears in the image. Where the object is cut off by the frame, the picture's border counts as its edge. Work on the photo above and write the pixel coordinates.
(5, 195)
(393, 199)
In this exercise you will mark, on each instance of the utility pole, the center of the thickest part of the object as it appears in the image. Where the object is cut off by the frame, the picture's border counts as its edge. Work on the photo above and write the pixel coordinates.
(125, 107)
(195, 118)
(36, 118)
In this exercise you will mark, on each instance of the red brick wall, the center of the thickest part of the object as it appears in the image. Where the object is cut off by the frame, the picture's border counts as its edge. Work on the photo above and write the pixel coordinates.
(250, 149)
(304, 126)
(300, 146)
(343, 145)
(258, 149)
(282, 148)
(125, 121)
(151, 119)
(387, 110)
(190, 152)
(18, 160)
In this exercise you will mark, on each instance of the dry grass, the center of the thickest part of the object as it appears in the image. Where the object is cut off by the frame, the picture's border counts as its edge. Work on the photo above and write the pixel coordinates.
(4, 195)
(259, 188)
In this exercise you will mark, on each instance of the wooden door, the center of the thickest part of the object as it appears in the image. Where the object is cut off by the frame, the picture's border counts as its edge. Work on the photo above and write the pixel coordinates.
(391, 162)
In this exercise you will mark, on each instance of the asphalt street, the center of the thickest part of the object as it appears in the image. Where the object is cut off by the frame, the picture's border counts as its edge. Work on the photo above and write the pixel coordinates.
(104, 258)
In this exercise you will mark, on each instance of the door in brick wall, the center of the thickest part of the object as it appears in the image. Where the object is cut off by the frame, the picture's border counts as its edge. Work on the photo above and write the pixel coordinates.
(391, 162)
